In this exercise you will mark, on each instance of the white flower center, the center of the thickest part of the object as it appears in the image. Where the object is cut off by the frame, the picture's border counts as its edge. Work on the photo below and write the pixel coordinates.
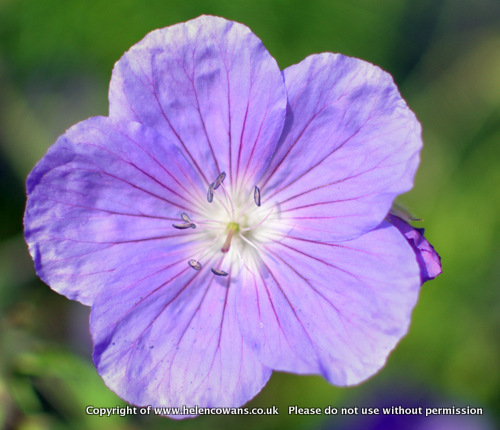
(231, 229)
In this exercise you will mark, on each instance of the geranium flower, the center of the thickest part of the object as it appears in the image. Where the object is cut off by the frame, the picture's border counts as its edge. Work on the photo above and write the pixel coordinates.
(228, 219)
(428, 259)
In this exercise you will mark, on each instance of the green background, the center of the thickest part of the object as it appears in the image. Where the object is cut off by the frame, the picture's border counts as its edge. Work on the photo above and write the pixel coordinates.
(56, 58)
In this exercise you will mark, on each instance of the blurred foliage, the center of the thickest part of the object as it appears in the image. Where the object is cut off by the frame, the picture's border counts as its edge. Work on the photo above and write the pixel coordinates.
(56, 57)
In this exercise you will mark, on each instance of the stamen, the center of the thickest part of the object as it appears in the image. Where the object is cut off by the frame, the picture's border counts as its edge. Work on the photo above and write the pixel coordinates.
(210, 193)
(256, 195)
(196, 265)
(211, 222)
(219, 180)
(249, 242)
(185, 217)
(243, 261)
(207, 249)
(259, 223)
(248, 204)
(218, 272)
(184, 226)
(224, 206)
(229, 199)
(260, 249)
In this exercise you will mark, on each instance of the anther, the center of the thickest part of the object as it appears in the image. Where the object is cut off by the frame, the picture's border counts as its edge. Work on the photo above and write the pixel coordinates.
(184, 225)
(185, 217)
(219, 180)
(196, 265)
(210, 193)
(256, 195)
(218, 272)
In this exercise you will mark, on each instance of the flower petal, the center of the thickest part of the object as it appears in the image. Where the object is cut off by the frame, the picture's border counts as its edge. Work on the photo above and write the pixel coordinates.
(105, 195)
(428, 259)
(169, 336)
(212, 84)
(349, 146)
(331, 309)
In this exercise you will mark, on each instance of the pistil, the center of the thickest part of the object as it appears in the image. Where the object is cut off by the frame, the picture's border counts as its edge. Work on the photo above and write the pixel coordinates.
(241, 220)
(232, 228)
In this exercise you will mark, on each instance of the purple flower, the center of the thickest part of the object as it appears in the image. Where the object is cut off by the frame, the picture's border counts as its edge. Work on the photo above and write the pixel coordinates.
(428, 259)
(228, 219)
